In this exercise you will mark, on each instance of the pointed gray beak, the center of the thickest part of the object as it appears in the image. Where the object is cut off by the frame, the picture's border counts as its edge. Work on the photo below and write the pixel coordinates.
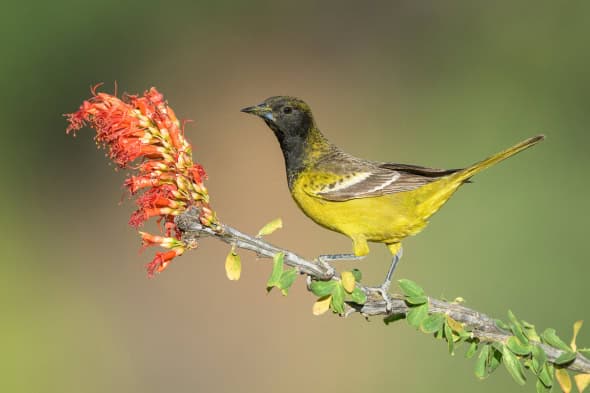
(261, 110)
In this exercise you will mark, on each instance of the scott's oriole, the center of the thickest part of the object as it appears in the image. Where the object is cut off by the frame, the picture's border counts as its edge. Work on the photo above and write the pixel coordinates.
(365, 200)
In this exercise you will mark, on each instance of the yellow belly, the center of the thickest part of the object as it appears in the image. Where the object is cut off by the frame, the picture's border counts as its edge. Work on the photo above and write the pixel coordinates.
(383, 219)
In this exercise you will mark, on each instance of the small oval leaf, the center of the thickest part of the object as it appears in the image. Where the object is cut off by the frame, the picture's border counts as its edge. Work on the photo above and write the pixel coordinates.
(432, 323)
(480, 363)
(358, 296)
(410, 288)
(450, 339)
(472, 350)
(577, 327)
(563, 379)
(416, 300)
(233, 266)
(416, 315)
(550, 337)
(348, 281)
(545, 376)
(517, 328)
(358, 276)
(513, 365)
(270, 227)
(582, 381)
(277, 271)
(565, 358)
(322, 305)
(286, 281)
(338, 299)
(539, 359)
(541, 388)
(322, 288)
(518, 347)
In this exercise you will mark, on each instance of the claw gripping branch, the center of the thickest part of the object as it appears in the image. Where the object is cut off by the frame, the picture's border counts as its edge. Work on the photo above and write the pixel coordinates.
(144, 131)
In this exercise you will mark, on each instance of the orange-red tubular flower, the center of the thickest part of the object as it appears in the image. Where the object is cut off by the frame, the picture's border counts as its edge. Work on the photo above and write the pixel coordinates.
(145, 129)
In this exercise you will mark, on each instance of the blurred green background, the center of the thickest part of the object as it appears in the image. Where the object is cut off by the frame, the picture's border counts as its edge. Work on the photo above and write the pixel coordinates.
(433, 83)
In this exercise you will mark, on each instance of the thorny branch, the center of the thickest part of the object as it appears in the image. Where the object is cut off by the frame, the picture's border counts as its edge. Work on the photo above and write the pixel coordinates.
(482, 326)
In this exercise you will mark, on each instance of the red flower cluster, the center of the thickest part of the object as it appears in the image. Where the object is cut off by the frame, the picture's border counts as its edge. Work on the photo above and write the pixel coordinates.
(145, 128)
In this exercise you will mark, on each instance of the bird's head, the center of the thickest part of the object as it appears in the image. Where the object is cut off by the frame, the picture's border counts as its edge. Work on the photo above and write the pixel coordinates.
(288, 117)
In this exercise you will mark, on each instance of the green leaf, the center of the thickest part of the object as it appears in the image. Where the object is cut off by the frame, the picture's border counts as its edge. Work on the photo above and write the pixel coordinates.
(480, 363)
(277, 271)
(517, 328)
(338, 299)
(501, 324)
(546, 375)
(358, 276)
(550, 337)
(450, 339)
(432, 323)
(287, 279)
(541, 388)
(322, 288)
(565, 358)
(410, 288)
(416, 300)
(416, 315)
(270, 227)
(585, 350)
(494, 360)
(513, 365)
(471, 350)
(518, 347)
(530, 332)
(358, 296)
(539, 359)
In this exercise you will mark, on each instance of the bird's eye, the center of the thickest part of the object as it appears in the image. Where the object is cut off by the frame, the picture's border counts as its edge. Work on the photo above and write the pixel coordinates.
(287, 110)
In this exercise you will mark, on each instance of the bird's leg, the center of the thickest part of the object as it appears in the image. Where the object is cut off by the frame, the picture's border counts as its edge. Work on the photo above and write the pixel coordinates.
(394, 261)
(384, 288)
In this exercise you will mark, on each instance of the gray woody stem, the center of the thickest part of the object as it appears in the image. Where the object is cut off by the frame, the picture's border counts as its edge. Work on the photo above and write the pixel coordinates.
(482, 326)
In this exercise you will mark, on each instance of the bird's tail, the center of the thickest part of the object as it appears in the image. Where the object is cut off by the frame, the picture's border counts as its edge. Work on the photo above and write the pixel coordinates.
(438, 192)
(465, 174)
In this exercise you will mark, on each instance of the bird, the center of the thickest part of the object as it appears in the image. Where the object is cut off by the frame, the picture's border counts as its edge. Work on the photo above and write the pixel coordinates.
(367, 201)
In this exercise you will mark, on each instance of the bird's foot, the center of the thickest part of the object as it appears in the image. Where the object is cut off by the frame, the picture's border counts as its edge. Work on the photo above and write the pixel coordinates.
(383, 291)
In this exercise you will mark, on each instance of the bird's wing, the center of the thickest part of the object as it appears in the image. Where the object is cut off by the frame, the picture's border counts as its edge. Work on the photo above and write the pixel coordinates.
(363, 179)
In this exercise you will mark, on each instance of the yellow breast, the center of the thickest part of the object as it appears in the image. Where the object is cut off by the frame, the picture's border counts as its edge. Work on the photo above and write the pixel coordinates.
(383, 219)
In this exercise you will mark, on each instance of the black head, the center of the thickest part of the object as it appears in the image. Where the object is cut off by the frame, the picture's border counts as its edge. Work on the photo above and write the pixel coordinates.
(291, 121)
(288, 117)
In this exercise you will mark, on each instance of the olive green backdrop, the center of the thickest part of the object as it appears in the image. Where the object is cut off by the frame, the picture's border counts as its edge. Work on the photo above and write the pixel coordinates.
(434, 83)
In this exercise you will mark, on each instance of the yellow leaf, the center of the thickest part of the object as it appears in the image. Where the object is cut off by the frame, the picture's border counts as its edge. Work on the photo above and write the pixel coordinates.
(322, 305)
(454, 325)
(563, 378)
(577, 327)
(347, 281)
(582, 381)
(233, 266)
(270, 227)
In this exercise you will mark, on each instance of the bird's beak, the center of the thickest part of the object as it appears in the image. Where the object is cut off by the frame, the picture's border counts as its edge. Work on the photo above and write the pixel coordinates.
(261, 110)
